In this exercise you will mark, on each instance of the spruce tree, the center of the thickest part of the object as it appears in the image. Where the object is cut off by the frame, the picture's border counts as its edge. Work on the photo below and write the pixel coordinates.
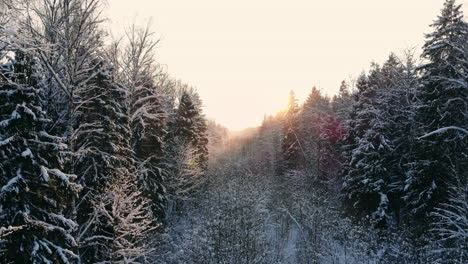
(354, 128)
(311, 117)
(356, 187)
(342, 102)
(291, 149)
(201, 142)
(35, 194)
(183, 123)
(141, 75)
(201, 132)
(440, 159)
(148, 132)
(188, 128)
(316, 102)
(374, 182)
(186, 147)
(103, 160)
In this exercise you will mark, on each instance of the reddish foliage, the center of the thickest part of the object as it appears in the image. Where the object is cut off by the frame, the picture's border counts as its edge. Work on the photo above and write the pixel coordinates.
(328, 127)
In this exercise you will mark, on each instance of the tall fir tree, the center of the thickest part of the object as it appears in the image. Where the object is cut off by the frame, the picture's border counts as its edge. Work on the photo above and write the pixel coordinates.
(141, 75)
(148, 132)
(361, 196)
(186, 147)
(201, 131)
(440, 159)
(188, 127)
(35, 195)
(314, 110)
(358, 124)
(186, 113)
(374, 181)
(291, 149)
(342, 102)
(103, 160)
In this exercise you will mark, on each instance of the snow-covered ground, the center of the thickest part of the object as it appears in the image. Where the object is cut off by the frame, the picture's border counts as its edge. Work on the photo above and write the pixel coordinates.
(242, 217)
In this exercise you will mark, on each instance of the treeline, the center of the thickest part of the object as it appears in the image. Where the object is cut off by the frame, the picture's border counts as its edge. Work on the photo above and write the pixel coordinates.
(394, 148)
(96, 139)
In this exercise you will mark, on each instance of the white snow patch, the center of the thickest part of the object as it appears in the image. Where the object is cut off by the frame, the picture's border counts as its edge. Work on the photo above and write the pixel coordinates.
(11, 185)
(45, 174)
(5, 141)
(26, 153)
(64, 177)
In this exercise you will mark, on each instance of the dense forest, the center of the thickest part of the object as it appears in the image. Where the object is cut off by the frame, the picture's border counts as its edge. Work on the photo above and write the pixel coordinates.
(107, 158)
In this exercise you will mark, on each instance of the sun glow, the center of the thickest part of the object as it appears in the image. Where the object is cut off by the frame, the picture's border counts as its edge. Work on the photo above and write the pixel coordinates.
(244, 68)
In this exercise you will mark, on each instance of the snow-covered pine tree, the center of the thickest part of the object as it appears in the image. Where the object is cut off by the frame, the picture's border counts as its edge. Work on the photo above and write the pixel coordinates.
(35, 194)
(102, 135)
(139, 73)
(400, 130)
(185, 146)
(183, 123)
(375, 168)
(148, 132)
(103, 161)
(316, 102)
(342, 102)
(355, 186)
(201, 135)
(315, 108)
(451, 227)
(440, 159)
(290, 145)
(189, 127)
(353, 132)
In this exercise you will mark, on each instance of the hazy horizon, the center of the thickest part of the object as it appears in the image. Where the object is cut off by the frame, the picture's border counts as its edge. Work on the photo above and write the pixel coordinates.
(244, 57)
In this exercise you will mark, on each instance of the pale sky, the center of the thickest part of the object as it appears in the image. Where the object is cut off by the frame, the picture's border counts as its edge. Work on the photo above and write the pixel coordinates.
(244, 56)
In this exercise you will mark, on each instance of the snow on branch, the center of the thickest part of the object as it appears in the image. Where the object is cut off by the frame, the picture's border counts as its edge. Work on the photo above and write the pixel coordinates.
(6, 231)
(443, 130)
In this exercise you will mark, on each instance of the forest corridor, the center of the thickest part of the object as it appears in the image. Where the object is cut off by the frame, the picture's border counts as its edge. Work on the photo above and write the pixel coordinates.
(244, 214)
